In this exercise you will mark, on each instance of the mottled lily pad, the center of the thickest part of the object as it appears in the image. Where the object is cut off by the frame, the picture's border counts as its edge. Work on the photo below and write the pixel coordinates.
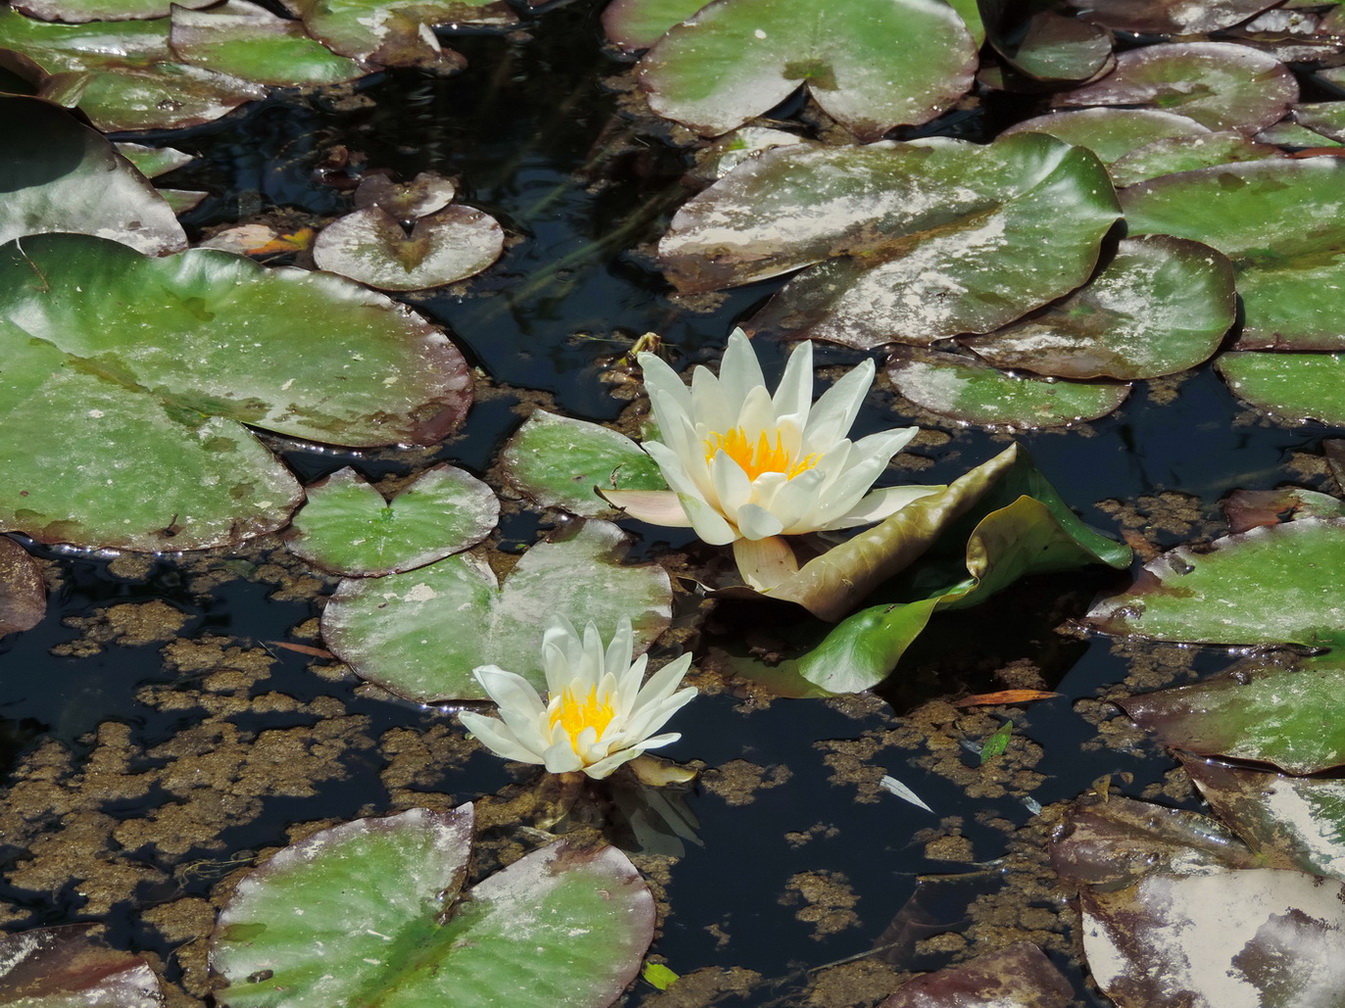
(1173, 17)
(1326, 118)
(962, 388)
(80, 11)
(347, 527)
(153, 161)
(1268, 710)
(915, 241)
(427, 193)
(561, 927)
(421, 633)
(1219, 85)
(1018, 975)
(23, 593)
(66, 967)
(558, 461)
(58, 175)
(371, 246)
(1172, 155)
(1260, 937)
(1272, 585)
(638, 24)
(871, 64)
(1289, 386)
(1282, 223)
(1111, 133)
(395, 32)
(252, 43)
(150, 367)
(1047, 45)
(124, 77)
(1160, 306)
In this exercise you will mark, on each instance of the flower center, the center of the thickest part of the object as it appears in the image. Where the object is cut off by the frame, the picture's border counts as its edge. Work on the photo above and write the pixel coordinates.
(758, 457)
(574, 713)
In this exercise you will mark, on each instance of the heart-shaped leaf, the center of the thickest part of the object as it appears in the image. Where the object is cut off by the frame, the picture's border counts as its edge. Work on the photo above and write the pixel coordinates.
(395, 32)
(1290, 386)
(871, 64)
(58, 175)
(1161, 305)
(562, 926)
(66, 967)
(558, 461)
(406, 201)
(420, 634)
(149, 367)
(370, 245)
(348, 528)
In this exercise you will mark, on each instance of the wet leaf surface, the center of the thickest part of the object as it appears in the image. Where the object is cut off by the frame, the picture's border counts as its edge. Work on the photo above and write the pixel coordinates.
(1289, 386)
(349, 528)
(143, 361)
(1219, 85)
(564, 925)
(1175, 17)
(1018, 975)
(427, 193)
(66, 967)
(1172, 155)
(1272, 585)
(1160, 305)
(381, 627)
(80, 11)
(1050, 46)
(58, 175)
(638, 24)
(1279, 222)
(871, 64)
(23, 593)
(1265, 710)
(1111, 133)
(395, 32)
(370, 245)
(557, 461)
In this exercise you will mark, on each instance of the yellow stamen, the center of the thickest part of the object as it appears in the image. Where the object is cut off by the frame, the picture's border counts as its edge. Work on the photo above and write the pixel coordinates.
(574, 714)
(762, 457)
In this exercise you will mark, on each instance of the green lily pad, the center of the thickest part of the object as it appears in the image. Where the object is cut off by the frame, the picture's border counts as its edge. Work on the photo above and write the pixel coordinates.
(81, 11)
(370, 245)
(1272, 585)
(1173, 17)
(1278, 223)
(23, 592)
(66, 967)
(1289, 386)
(562, 926)
(1300, 819)
(1264, 710)
(863, 649)
(152, 162)
(124, 76)
(1111, 133)
(1261, 937)
(348, 528)
(1218, 84)
(870, 64)
(638, 24)
(59, 175)
(558, 461)
(914, 241)
(149, 368)
(1326, 118)
(1172, 155)
(395, 32)
(962, 388)
(1289, 134)
(1161, 305)
(421, 633)
(252, 43)
(1047, 45)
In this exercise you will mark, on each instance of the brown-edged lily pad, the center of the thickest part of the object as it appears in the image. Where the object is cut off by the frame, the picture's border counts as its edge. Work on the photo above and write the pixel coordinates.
(395, 32)
(1161, 305)
(80, 11)
(1171, 155)
(372, 246)
(1172, 17)
(1048, 45)
(1217, 84)
(64, 967)
(427, 193)
(871, 64)
(23, 594)
(1269, 710)
(1018, 975)
(1248, 509)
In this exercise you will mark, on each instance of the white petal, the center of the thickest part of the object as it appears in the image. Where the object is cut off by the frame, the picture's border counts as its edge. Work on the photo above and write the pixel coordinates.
(794, 394)
(509, 690)
(731, 485)
(879, 504)
(656, 507)
(764, 563)
(498, 739)
(836, 409)
(662, 683)
(887, 442)
(659, 377)
(604, 767)
(711, 406)
(620, 651)
(755, 522)
(757, 415)
(560, 757)
(740, 370)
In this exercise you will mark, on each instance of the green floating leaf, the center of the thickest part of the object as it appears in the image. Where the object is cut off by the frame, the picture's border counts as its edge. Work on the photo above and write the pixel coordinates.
(1274, 713)
(59, 175)
(558, 461)
(66, 967)
(967, 390)
(638, 24)
(913, 242)
(1278, 223)
(1161, 305)
(123, 77)
(421, 633)
(1112, 133)
(348, 528)
(998, 743)
(1300, 820)
(1218, 84)
(395, 32)
(1173, 17)
(1172, 155)
(23, 591)
(1326, 118)
(1294, 387)
(863, 649)
(659, 975)
(870, 64)
(81, 11)
(562, 927)
(150, 367)
(1272, 585)
(252, 43)
(153, 161)
(370, 245)
(1048, 46)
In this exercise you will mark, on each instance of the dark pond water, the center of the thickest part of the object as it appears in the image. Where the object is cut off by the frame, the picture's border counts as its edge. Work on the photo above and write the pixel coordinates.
(535, 132)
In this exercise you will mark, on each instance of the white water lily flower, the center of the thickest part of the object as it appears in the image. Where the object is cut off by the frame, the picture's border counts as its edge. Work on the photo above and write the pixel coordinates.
(747, 467)
(597, 715)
